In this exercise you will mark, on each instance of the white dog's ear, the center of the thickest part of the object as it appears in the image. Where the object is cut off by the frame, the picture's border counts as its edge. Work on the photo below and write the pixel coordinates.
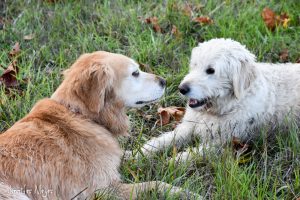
(242, 78)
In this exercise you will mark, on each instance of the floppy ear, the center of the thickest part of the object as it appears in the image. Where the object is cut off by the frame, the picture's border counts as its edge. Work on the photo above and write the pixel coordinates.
(96, 85)
(243, 75)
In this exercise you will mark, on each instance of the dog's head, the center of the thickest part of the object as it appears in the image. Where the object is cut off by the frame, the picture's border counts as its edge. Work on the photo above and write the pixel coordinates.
(219, 69)
(99, 85)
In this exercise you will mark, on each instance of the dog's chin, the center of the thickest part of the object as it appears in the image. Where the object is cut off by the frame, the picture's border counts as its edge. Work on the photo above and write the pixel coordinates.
(198, 104)
(142, 103)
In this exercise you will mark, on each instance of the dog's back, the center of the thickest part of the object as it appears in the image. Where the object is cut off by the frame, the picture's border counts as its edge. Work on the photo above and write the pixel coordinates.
(284, 85)
(51, 152)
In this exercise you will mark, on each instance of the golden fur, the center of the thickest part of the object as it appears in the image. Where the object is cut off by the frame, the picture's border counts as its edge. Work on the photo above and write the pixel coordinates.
(67, 143)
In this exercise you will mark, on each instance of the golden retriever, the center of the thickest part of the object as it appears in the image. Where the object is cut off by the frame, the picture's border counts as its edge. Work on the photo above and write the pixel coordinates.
(67, 147)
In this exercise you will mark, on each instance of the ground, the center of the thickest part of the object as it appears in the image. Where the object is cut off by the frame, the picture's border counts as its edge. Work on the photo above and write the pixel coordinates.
(59, 31)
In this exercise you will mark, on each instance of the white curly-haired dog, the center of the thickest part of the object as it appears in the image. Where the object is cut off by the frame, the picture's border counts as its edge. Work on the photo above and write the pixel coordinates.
(230, 94)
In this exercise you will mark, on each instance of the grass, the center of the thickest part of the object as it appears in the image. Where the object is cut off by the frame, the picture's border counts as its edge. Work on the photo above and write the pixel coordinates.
(65, 29)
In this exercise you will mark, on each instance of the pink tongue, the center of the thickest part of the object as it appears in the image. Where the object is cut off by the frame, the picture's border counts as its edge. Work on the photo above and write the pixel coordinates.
(193, 101)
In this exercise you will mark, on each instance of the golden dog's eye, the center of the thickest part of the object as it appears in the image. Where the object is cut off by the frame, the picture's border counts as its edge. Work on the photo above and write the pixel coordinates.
(136, 73)
(210, 70)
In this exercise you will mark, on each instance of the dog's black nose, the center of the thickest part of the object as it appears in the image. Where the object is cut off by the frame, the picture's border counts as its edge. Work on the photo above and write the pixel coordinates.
(184, 88)
(162, 82)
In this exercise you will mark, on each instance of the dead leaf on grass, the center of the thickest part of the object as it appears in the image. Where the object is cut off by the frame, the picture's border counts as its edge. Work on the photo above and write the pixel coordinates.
(154, 22)
(272, 20)
(284, 20)
(170, 113)
(29, 37)
(237, 144)
(8, 78)
(284, 55)
(269, 18)
(241, 150)
(203, 20)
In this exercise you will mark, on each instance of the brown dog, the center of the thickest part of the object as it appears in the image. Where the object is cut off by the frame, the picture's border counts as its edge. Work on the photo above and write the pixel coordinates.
(67, 145)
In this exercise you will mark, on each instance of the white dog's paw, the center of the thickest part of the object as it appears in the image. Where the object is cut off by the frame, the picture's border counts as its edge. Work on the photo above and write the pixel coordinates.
(151, 146)
(183, 157)
(131, 155)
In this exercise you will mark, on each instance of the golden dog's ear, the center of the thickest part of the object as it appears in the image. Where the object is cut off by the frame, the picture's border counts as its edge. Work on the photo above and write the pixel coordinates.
(243, 75)
(95, 87)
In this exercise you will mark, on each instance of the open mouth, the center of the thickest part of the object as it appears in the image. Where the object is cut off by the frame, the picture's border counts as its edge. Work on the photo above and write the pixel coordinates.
(194, 103)
(146, 102)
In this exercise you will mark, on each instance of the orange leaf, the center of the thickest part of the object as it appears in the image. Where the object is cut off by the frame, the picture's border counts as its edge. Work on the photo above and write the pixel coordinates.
(269, 18)
(164, 117)
(203, 20)
(154, 22)
(170, 113)
(284, 20)
(156, 28)
(272, 20)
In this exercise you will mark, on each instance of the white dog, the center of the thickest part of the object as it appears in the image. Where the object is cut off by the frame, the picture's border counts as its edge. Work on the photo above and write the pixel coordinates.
(230, 94)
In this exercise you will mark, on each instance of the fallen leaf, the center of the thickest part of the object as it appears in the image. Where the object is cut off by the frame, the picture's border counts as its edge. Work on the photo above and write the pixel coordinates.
(269, 18)
(284, 55)
(156, 28)
(8, 78)
(237, 143)
(242, 151)
(154, 22)
(203, 20)
(169, 113)
(272, 20)
(284, 19)
(29, 37)
(15, 51)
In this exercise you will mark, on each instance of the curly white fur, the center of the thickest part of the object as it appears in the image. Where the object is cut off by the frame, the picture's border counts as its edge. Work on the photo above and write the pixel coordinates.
(242, 95)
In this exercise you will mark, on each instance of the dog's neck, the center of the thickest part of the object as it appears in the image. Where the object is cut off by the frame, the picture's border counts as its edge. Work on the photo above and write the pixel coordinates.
(112, 115)
(221, 106)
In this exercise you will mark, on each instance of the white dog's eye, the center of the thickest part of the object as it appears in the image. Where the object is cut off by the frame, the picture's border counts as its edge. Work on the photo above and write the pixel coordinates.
(136, 73)
(210, 70)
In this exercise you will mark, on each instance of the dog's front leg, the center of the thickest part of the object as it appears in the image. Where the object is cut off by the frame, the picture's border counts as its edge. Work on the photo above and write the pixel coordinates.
(180, 136)
(131, 191)
(200, 151)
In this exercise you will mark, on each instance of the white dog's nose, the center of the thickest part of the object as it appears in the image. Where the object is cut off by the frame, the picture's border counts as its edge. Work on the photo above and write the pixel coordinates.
(184, 88)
